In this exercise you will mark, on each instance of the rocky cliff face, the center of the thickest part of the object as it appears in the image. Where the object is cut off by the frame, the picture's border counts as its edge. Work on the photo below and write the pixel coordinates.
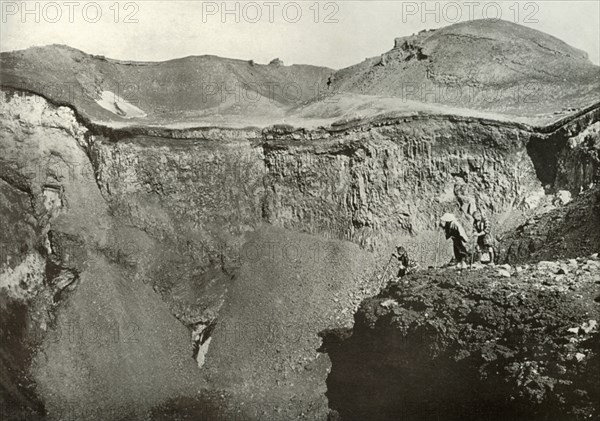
(392, 179)
(579, 162)
(75, 329)
(354, 184)
(172, 210)
(373, 184)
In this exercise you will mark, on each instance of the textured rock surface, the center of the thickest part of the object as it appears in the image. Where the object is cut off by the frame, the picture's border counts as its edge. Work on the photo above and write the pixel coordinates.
(474, 345)
(565, 231)
(77, 317)
(579, 163)
(372, 184)
(289, 287)
(395, 179)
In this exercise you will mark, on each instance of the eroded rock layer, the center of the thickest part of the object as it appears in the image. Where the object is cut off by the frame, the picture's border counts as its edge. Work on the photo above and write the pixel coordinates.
(135, 259)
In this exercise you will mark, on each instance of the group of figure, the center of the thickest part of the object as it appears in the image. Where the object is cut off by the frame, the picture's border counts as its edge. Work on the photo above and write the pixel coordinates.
(460, 241)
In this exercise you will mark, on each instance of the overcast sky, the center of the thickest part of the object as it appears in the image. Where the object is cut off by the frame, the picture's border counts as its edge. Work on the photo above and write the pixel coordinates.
(333, 34)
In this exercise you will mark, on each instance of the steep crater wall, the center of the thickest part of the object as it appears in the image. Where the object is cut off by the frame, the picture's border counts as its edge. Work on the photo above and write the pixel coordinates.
(76, 320)
(375, 184)
(115, 214)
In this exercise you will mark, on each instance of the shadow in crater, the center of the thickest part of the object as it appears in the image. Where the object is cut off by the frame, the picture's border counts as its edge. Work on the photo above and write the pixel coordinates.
(544, 153)
(383, 376)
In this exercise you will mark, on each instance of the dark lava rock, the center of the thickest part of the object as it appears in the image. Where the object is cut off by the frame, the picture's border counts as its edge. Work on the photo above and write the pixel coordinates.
(471, 346)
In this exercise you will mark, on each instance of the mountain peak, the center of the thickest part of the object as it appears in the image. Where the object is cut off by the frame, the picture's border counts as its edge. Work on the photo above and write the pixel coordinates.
(495, 60)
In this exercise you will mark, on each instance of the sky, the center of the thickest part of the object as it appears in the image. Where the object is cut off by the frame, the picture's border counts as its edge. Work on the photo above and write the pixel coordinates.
(335, 34)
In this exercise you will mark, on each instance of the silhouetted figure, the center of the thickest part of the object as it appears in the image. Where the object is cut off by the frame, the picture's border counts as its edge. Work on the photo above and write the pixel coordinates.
(406, 265)
(330, 81)
(484, 239)
(454, 230)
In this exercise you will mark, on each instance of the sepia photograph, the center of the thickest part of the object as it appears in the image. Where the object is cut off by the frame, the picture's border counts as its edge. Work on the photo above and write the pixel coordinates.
(311, 210)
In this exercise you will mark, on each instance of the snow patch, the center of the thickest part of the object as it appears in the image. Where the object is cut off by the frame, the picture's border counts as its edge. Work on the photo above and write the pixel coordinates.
(117, 105)
(201, 337)
(202, 350)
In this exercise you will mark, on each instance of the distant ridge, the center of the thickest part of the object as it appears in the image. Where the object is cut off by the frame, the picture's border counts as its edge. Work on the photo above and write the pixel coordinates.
(483, 66)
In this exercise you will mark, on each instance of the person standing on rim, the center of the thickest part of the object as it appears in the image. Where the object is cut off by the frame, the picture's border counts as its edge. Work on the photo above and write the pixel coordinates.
(454, 230)
(484, 238)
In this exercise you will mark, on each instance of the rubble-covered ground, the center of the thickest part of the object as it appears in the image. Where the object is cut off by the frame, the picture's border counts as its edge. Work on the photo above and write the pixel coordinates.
(494, 343)
(557, 231)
